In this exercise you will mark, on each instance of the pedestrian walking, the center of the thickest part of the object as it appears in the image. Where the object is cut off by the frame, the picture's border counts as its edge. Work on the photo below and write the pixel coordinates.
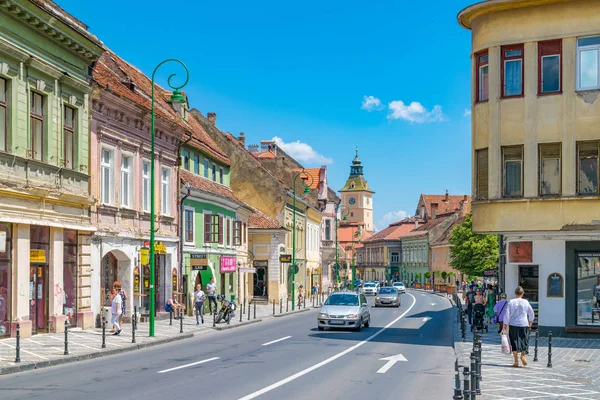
(124, 297)
(117, 309)
(498, 317)
(211, 293)
(470, 300)
(596, 295)
(518, 318)
(199, 297)
(490, 303)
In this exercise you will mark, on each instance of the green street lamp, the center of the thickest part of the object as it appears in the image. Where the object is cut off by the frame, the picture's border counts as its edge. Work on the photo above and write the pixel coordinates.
(345, 212)
(304, 176)
(176, 100)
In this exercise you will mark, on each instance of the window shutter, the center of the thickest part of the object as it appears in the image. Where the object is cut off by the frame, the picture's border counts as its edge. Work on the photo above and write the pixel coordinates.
(220, 239)
(481, 191)
(208, 228)
(228, 232)
(587, 149)
(550, 150)
(513, 153)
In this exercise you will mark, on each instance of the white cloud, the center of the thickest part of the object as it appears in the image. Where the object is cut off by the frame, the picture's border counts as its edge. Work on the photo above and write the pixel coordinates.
(371, 103)
(467, 113)
(302, 152)
(394, 216)
(414, 112)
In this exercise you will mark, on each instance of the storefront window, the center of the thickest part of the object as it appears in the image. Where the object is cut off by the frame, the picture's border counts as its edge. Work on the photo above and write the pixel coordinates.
(588, 289)
(70, 276)
(39, 291)
(5, 275)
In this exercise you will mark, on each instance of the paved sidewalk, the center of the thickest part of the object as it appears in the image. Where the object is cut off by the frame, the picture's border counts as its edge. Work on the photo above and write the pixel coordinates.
(575, 372)
(48, 349)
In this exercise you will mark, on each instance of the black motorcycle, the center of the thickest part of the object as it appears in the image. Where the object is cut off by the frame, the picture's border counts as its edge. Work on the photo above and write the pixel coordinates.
(226, 311)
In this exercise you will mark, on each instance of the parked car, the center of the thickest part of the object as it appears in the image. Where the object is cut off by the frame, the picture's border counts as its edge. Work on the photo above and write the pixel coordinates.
(387, 296)
(399, 286)
(346, 310)
(370, 288)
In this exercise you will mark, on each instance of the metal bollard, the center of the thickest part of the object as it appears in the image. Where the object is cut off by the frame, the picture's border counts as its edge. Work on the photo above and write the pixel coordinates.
(304, 303)
(549, 349)
(466, 384)
(457, 393)
(180, 321)
(478, 355)
(66, 338)
(535, 351)
(248, 311)
(287, 305)
(214, 320)
(241, 315)
(313, 300)
(133, 327)
(171, 317)
(103, 333)
(254, 310)
(473, 375)
(273, 306)
(18, 348)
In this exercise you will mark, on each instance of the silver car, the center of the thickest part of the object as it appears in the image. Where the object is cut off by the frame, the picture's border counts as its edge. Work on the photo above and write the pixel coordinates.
(346, 310)
(399, 286)
(370, 288)
(387, 296)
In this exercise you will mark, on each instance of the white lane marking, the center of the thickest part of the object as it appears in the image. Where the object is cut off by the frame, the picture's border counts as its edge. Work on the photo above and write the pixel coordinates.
(188, 365)
(426, 319)
(390, 362)
(327, 361)
(275, 341)
(433, 304)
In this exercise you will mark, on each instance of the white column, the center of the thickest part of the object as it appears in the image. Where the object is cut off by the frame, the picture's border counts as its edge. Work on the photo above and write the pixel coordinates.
(55, 282)
(21, 235)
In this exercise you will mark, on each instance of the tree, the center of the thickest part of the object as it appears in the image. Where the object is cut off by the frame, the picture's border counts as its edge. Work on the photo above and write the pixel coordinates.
(472, 253)
(445, 275)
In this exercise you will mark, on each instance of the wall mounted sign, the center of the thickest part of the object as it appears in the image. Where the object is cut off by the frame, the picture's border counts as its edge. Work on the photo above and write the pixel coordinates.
(136, 280)
(555, 285)
(490, 272)
(175, 286)
(37, 256)
(227, 264)
(144, 256)
(146, 277)
(198, 260)
(285, 258)
(261, 263)
(520, 252)
(160, 248)
(199, 267)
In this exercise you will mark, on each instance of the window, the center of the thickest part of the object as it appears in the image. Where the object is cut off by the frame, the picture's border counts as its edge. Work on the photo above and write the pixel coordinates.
(588, 268)
(244, 233)
(228, 232)
(106, 184)
(126, 183)
(196, 164)
(146, 185)
(69, 137)
(186, 160)
(165, 191)
(327, 229)
(237, 233)
(3, 115)
(549, 66)
(512, 71)
(481, 183)
(205, 168)
(588, 54)
(482, 83)
(512, 161)
(189, 225)
(221, 175)
(587, 180)
(37, 126)
(213, 228)
(214, 173)
(549, 165)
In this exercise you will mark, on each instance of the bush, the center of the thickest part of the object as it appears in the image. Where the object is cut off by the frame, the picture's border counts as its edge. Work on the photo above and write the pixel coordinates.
(444, 275)
(427, 275)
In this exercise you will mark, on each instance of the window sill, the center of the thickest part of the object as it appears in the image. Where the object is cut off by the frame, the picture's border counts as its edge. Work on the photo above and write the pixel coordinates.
(520, 96)
(582, 329)
(550, 93)
(482, 101)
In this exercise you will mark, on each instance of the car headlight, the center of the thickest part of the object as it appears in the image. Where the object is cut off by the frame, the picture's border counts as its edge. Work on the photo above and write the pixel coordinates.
(352, 316)
(377, 298)
(321, 315)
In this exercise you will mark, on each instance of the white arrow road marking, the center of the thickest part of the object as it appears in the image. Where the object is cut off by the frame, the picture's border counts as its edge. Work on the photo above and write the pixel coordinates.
(275, 341)
(433, 304)
(426, 319)
(188, 365)
(390, 362)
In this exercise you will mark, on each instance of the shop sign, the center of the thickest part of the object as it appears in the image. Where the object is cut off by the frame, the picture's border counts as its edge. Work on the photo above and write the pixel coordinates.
(319, 270)
(160, 248)
(37, 256)
(520, 252)
(2, 241)
(146, 277)
(175, 286)
(261, 263)
(144, 256)
(199, 267)
(490, 272)
(248, 270)
(285, 258)
(136, 280)
(228, 264)
(198, 260)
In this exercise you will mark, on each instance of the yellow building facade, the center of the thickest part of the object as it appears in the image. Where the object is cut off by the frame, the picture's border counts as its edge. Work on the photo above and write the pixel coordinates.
(535, 141)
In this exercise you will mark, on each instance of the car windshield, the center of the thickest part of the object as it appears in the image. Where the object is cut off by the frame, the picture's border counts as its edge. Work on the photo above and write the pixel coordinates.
(369, 285)
(398, 284)
(342, 300)
(386, 290)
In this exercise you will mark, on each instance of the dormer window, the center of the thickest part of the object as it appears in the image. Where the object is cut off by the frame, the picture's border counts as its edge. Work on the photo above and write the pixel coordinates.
(352, 185)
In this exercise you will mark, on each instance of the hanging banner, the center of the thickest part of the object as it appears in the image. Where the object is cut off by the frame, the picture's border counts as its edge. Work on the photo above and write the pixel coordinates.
(136, 280)
(227, 264)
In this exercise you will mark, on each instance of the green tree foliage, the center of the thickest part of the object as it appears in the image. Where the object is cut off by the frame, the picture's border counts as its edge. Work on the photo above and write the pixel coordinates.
(472, 253)
(444, 275)
(427, 275)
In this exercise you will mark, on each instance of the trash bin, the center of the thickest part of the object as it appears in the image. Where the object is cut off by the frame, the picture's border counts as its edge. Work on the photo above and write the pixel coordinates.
(107, 315)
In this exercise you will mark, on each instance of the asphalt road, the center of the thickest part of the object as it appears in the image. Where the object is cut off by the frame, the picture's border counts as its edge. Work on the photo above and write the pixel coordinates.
(280, 358)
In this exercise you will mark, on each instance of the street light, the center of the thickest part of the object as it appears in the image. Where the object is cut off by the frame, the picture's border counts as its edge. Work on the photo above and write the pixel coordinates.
(304, 176)
(176, 100)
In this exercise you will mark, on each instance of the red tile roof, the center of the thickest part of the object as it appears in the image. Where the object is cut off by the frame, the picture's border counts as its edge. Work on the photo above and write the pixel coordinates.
(204, 142)
(205, 185)
(258, 220)
(445, 204)
(347, 231)
(265, 154)
(424, 229)
(395, 230)
(445, 237)
(315, 174)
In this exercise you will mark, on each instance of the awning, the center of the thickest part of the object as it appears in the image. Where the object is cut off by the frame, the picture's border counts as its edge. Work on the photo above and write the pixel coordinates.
(44, 222)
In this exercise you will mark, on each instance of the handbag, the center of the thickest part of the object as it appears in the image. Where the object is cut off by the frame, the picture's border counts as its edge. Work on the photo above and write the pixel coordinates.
(505, 345)
(496, 317)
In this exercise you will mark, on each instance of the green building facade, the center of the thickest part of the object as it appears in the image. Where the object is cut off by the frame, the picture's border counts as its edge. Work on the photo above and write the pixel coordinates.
(415, 257)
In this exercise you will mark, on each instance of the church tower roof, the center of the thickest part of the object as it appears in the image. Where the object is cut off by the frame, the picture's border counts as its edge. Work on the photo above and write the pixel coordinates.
(356, 181)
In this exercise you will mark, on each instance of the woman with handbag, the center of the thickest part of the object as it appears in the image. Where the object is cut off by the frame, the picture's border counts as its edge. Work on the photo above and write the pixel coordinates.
(518, 318)
(498, 311)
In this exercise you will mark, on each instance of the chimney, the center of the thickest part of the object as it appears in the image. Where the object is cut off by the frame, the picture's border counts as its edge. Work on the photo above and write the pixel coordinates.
(445, 197)
(416, 223)
(465, 198)
(212, 118)
(253, 148)
(242, 139)
(434, 210)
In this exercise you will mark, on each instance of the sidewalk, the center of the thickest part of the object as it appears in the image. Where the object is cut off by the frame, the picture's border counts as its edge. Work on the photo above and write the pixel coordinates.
(48, 349)
(575, 372)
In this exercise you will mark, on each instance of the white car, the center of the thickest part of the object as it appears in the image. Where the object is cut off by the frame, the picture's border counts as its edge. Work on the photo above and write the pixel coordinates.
(370, 288)
(399, 286)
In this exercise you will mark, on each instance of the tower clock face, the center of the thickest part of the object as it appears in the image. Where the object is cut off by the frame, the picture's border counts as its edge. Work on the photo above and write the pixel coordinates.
(351, 200)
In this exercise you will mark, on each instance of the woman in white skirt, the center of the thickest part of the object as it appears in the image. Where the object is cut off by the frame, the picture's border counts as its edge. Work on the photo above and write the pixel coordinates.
(518, 317)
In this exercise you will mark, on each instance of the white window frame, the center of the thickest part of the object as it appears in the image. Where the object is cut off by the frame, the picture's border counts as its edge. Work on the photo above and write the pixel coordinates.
(193, 210)
(127, 201)
(146, 186)
(165, 202)
(578, 72)
(110, 166)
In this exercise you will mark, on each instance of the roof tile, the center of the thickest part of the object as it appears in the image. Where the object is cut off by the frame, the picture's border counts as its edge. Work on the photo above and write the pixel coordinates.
(205, 185)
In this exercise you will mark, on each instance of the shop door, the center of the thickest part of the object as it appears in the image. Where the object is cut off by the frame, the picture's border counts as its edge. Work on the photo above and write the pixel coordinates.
(260, 281)
(529, 281)
(38, 298)
(158, 272)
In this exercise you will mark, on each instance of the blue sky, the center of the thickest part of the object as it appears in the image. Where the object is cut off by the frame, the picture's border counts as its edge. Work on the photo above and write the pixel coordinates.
(303, 72)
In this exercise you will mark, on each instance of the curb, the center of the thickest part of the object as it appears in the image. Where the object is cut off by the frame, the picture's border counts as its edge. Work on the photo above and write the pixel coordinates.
(291, 312)
(59, 361)
(239, 324)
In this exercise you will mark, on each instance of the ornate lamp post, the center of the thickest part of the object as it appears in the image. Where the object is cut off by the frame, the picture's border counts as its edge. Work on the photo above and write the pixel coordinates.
(304, 176)
(176, 100)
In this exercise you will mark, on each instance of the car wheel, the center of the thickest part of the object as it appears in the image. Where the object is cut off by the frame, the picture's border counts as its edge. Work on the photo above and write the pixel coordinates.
(359, 326)
(368, 323)
(321, 328)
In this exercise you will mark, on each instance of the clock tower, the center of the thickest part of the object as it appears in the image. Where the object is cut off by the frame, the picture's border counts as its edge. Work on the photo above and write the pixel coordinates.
(357, 196)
